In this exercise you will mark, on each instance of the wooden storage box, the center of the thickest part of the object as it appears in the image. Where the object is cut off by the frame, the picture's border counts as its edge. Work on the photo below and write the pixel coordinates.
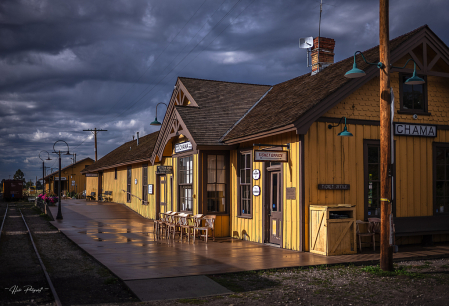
(332, 229)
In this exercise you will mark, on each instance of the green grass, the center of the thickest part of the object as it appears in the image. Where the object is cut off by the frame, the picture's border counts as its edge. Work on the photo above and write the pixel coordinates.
(110, 281)
(377, 271)
(445, 266)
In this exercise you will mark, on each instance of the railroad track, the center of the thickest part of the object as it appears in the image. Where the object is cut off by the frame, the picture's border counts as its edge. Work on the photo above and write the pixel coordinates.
(13, 211)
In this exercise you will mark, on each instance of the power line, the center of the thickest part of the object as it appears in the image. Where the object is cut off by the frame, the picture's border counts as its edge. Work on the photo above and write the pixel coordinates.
(232, 8)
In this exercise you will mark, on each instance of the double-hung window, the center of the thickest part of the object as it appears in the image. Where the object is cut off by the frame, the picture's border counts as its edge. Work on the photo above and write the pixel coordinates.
(244, 184)
(441, 179)
(185, 166)
(216, 184)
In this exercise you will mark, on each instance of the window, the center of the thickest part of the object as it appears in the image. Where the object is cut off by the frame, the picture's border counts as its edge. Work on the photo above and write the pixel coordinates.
(216, 184)
(115, 175)
(128, 183)
(441, 179)
(413, 97)
(185, 165)
(144, 182)
(372, 179)
(245, 182)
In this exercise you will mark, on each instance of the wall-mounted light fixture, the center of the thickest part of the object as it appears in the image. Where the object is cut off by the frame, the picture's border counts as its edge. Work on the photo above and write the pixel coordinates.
(345, 130)
(357, 73)
(155, 122)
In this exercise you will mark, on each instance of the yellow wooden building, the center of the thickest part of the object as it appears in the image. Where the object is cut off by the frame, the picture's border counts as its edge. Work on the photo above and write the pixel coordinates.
(71, 178)
(258, 156)
(126, 176)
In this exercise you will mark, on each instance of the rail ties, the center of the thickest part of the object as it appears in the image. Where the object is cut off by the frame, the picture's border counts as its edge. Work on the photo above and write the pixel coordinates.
(50, 283)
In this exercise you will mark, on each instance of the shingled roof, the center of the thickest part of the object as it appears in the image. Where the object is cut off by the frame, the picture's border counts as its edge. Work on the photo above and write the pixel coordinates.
(69, 166)
(289, 101)
(220, 105)
(127, 153)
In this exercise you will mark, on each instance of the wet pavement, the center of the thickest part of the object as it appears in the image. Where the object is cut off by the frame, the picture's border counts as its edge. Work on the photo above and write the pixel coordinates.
(124, 242)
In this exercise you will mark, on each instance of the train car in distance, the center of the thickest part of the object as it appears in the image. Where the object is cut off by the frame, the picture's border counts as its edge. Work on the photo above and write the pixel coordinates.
(12, 190)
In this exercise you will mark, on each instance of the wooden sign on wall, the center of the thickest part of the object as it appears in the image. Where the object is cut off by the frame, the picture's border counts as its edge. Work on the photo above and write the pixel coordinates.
(290, 193)
(333, 186)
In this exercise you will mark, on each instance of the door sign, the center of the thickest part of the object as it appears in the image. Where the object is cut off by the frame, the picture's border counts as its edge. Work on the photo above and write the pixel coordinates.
(256, 191)
(256, 174)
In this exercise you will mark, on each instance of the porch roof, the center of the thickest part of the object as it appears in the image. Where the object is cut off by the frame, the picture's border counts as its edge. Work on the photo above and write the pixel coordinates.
(127, 153)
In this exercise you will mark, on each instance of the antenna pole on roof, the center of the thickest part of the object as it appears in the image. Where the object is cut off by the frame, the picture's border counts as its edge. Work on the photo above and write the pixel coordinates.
(95, 131)
(319, 35)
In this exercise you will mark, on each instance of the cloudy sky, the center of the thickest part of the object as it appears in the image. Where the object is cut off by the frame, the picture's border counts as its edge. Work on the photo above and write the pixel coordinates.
(71, 65)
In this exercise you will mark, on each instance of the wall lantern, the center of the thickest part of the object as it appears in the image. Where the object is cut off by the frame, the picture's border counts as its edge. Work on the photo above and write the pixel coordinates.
(345, 130)
(357, 73)
(155, 122)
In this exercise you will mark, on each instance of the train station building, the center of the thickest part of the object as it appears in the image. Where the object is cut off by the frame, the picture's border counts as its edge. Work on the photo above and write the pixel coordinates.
(258, 156)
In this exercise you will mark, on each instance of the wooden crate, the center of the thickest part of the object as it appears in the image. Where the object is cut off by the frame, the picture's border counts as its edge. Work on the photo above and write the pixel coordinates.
(330, 236)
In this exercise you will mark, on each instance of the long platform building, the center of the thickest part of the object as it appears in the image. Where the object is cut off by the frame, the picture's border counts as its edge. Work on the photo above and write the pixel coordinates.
(258, 156)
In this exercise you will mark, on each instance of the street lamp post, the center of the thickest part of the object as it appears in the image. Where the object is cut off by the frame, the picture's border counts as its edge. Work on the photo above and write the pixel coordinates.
(43, 168)
(59, 216)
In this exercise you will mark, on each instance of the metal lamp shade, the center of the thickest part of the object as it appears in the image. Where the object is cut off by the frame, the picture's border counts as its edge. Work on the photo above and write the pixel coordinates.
(155, 122)
(345, 132)
(414, 80)
(355, 72)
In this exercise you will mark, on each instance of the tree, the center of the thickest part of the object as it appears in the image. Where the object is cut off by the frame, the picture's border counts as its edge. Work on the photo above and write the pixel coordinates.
(19, 175)
(38, 185)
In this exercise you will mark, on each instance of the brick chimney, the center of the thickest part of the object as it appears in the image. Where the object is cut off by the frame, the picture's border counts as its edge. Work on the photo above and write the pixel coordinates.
(326, 53)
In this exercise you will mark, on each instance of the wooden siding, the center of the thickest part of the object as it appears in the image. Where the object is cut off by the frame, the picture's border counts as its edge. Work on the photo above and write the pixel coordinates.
(252, 228)
(363, 103)
(330, 159)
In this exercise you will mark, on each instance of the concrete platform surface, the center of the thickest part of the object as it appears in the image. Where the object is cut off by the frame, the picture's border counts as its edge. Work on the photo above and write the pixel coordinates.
(124, 242)
(186, 287)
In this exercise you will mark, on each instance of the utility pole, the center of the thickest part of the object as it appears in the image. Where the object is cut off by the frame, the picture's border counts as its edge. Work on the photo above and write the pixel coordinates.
(95, 131)
(386, 249)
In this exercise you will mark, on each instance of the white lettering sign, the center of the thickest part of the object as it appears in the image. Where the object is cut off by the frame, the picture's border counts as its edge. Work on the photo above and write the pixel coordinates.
(256, 174)
(406, 129)
(150, 189)
(278, 156)
(91, 174)
(62, 178)
(184, 146)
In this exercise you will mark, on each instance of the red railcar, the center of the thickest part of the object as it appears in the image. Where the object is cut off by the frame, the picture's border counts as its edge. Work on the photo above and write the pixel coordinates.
(12, 190)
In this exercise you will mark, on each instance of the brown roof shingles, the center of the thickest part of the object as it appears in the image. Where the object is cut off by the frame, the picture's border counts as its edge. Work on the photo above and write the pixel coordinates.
(220, 105)
(289, 100)
(126, 153)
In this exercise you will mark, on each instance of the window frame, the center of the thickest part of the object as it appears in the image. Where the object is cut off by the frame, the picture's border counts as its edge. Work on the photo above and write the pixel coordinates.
(403, 110)
(435, 146)
(239, 199)
(205, 157)
(129, 173)
(145, 184)
(181, 185)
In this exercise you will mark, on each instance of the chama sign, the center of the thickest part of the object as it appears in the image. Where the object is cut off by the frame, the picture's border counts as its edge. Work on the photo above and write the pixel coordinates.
(406, 129)
(274, 156)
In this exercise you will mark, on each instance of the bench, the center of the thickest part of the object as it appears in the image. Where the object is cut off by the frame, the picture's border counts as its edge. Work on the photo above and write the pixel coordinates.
(91, 196)
(106, 196)
(421, 226)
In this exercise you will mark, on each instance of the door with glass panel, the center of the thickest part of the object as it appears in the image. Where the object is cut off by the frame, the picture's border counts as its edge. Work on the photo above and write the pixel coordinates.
(441, 179)
(185, 179)
(163, 193)
(275, 215)
(216, 184)
(372, 179)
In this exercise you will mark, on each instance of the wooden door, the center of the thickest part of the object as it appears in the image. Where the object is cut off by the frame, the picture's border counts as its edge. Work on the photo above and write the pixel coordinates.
(275, 216)
(163, 193)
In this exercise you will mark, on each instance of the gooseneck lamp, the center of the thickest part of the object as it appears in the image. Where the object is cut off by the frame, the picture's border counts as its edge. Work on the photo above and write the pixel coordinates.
(357, 73)
(345, 131)
(155, 122)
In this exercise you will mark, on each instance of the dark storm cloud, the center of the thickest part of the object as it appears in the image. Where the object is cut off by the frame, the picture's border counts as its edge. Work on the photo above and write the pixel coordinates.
(72, 65)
